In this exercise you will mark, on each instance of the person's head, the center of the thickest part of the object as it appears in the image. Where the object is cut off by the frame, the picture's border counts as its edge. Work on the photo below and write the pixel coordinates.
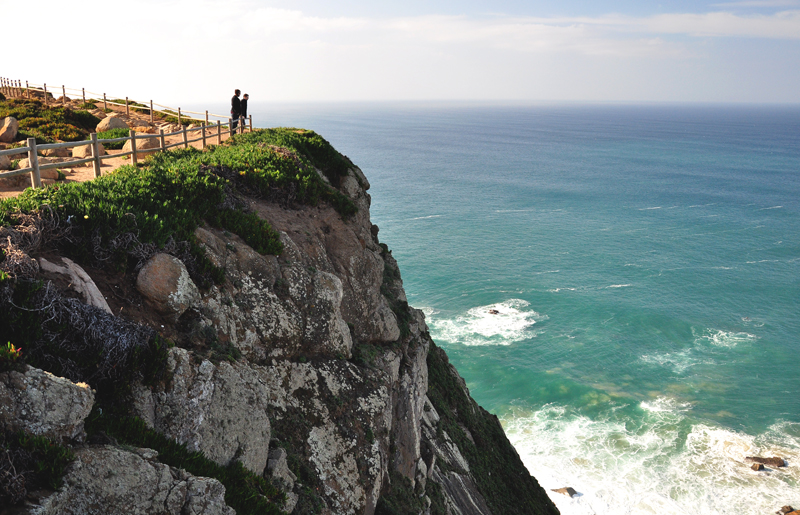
(237, 92)
(246, 96)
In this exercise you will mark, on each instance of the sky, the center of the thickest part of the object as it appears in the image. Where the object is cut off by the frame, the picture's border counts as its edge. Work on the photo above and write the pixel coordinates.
(197, 51)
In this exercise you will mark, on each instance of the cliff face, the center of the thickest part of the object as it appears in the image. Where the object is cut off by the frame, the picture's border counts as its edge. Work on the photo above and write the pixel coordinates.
(309, 369)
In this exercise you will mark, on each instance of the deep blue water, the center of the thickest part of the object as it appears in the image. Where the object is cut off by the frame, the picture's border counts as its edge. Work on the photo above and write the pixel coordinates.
(644, 261)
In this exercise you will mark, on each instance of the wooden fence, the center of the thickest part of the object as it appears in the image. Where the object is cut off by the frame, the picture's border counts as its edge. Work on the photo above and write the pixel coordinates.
(208, 132)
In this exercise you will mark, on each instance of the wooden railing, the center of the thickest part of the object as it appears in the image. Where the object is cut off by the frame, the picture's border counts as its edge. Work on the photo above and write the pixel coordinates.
(208, 132)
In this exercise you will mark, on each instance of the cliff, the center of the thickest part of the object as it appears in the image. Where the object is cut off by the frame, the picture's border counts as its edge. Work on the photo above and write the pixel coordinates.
(222, 330)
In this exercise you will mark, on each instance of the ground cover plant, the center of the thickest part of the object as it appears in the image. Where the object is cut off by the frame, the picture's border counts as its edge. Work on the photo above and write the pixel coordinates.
(48, 124)
(29, 462)
(113, 134)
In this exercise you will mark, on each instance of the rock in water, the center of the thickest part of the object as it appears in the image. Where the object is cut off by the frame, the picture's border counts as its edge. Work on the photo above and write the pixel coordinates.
(757, 467)
(567, 490)
(774, 462)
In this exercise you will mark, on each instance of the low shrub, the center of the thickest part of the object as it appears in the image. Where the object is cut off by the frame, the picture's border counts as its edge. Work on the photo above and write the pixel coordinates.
(48, 124)
(113, 134)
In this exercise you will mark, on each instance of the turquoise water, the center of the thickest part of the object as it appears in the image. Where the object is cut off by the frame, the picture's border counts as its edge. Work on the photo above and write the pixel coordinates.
(643, 262)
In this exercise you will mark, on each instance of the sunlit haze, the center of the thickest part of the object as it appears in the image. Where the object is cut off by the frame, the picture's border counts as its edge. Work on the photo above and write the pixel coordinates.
(354, 50)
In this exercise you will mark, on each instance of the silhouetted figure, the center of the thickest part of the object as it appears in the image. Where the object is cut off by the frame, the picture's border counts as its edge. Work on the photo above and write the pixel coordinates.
(236, 109)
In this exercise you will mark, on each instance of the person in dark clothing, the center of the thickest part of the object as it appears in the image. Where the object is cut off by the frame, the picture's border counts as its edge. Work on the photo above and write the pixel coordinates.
(243, 103)
(236, 109)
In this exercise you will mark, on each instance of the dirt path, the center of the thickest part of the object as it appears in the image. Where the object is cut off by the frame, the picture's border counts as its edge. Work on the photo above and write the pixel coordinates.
(16, 185)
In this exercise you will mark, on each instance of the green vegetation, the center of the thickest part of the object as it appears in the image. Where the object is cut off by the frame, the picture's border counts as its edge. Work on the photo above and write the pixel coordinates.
(501, 477)
(48, 124)
(245, 492)
(28, 462)
(113, 134)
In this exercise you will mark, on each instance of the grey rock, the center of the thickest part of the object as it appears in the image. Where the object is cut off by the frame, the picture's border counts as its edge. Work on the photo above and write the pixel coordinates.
(109, 481)
(143, 145)
(567, 490)
(43, 404)
(219, 410)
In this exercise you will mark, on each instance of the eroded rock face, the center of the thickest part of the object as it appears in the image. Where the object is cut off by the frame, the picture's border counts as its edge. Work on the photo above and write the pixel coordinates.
(219, 410)
(165, 282)
(45, 405)
(343, 414)
(108, 481)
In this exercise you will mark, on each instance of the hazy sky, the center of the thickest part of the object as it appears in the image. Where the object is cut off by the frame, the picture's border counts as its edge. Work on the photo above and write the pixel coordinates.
(190, 51)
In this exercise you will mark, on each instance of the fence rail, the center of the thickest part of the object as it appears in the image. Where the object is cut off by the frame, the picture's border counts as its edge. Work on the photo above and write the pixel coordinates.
(208, 131)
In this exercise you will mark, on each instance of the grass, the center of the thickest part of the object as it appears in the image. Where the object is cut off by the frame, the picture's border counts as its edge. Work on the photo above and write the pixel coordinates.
(48, 124)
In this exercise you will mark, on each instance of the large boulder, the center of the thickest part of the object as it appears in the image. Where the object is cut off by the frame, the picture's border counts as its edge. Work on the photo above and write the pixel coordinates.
(8, 129)
(42, 404)
(110, 481)
(5, 163)
(143, 145)
(109, 123)
(56, 152)
(86, 151)
(165, 282)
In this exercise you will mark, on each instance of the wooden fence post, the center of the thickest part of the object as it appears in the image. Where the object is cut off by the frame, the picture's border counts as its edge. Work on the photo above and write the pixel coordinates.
(163, 143)
(151, 112)
(45, 93)
(230, 127)
(134, 155)
(203, 131)
(127, 109)
(83, 94)
(219, 132)
(63, 95)
(251, 123)
(95, 154)
(206, 117)
(185, 138)
(179, 117)
(105, 105)
(33, 159)
(28, 89)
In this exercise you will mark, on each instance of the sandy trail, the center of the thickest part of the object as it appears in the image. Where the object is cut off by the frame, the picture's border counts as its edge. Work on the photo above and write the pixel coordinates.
(83, 173)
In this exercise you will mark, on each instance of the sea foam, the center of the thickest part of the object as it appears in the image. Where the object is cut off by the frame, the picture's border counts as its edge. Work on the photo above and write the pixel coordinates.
(496, 324)
(659, 461)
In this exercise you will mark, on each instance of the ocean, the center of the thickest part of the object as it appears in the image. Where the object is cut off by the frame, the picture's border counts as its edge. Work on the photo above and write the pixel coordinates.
(619, 284)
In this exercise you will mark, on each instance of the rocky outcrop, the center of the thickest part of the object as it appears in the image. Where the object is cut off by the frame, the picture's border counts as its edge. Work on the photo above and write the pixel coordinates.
(42, 404)
(774, 462)
(308, 368)
(8, 129)
(109, 481)
(220, 410)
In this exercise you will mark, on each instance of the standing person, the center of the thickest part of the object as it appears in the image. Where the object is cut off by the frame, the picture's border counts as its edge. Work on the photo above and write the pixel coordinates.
(236, 109)
(245, 98)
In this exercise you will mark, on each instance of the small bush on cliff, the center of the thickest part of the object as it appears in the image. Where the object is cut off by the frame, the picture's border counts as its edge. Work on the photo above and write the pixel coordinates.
(28, 462)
